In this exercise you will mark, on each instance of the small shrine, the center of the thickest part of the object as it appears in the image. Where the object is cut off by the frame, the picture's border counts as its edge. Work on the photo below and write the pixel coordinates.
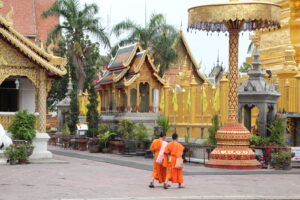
(257, 92)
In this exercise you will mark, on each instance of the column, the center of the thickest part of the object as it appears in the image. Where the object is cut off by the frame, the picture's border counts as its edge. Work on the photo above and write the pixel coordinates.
(233, 75)
(138, 97)
(224, 97)
(193, 100)
(247, 117)
(150, 98)
(128, 100)
(263, 120)
(166, 93)
(42, 102)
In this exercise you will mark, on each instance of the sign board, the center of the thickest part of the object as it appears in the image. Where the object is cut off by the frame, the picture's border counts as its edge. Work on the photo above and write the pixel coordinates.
(296, 150)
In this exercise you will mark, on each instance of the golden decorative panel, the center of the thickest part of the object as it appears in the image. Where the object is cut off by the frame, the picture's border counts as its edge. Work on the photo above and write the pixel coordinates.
(29, 72)
(13, 57)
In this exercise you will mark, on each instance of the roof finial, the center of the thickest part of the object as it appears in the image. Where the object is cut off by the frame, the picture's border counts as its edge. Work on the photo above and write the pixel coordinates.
(9, 16)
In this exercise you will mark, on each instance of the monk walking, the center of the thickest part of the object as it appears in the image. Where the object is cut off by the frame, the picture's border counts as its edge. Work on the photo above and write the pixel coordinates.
(174, 150)
(159, 163)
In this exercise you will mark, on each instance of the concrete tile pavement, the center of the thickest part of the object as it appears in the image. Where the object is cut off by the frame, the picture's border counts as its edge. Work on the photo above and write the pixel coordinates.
(77, 178)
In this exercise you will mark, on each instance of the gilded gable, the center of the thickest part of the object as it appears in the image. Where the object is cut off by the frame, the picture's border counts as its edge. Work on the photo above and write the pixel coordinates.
(12, 57)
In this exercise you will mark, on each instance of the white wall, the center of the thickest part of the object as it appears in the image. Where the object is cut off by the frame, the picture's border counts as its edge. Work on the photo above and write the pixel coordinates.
(26, 95)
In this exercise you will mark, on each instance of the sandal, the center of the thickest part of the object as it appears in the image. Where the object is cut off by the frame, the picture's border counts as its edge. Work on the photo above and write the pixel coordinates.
(165, 186)
(151, 185)
(180, 186)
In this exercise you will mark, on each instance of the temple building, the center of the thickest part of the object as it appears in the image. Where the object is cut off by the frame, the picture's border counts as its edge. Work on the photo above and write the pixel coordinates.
(130, 84)
(280, 55)
(26, 74)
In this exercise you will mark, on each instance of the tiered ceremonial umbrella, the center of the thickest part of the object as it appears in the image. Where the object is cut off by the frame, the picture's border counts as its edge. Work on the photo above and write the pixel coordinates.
(233, 138)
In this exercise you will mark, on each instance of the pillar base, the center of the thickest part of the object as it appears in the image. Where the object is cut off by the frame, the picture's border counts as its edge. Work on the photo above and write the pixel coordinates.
(232, 151)
(40, 147)
(233, 164)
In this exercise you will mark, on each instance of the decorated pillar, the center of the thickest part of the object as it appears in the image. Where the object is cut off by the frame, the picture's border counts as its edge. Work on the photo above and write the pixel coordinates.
(42, 101)
(193, 85)
(167, 96)
(138, 97)
(150, 98)
(128, 100)
(224, 96)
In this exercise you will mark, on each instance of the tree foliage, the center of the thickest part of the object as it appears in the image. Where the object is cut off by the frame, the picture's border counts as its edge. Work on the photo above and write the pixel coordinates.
(213, 130)
(157, 36)
(245, 67)
(77, 23)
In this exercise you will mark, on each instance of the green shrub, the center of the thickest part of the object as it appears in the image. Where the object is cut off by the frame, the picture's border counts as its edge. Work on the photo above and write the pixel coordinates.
(103, 128)
(66, 130)
(126, 128)
(277, 129)
(164, 123)
(105, 138)
(141, 132)
(259, 141)
(12, 153)
(213, 130)
(281, 158)
(22, 127)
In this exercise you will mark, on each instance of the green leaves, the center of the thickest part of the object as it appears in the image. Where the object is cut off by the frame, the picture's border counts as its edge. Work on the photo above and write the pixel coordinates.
(22, 127)
(157, 36)
(213, 130)
(164, 123)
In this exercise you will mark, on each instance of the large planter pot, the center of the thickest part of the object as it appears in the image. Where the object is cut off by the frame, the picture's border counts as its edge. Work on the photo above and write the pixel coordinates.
(12, 162)
(117, 146)
(286, 167)
(94, 148)
(82, 144)
(20, 142)
(105, 150)
(66, 141)
(53, 140)
(22, 161)
(29, 151)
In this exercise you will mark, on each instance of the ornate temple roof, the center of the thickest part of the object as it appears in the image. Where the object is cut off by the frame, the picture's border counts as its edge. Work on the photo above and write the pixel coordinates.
(172, 73)
(124, 68)
(51, 63)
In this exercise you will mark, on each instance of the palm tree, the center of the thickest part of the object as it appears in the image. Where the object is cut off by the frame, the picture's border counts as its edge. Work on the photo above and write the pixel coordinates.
(157, 36)
(77, 23)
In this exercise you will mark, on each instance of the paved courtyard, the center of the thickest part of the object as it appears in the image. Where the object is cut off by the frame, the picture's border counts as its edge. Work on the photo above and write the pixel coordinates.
(82, 175)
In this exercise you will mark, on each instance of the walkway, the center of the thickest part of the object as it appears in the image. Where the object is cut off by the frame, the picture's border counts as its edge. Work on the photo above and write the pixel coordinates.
(81, 176)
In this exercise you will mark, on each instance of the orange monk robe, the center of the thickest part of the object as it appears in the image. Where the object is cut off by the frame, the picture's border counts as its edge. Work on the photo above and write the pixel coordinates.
(159, 170)
(175, 150)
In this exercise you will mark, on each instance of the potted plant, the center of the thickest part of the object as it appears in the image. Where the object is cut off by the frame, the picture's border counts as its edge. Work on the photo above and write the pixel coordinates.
(141, 138)
(104, 139)
(23, 154)
(164, 123)
(28, 148)
(12, 154)
(94, 145)
(22, 127)
(281, 160)
(66, 136)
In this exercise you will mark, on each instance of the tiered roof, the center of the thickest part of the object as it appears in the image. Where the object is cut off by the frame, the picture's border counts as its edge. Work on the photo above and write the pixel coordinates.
(125, 67)
(53, 64)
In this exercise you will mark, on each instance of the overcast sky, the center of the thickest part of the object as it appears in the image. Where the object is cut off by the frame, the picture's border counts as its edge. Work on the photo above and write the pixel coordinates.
(204, 47)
